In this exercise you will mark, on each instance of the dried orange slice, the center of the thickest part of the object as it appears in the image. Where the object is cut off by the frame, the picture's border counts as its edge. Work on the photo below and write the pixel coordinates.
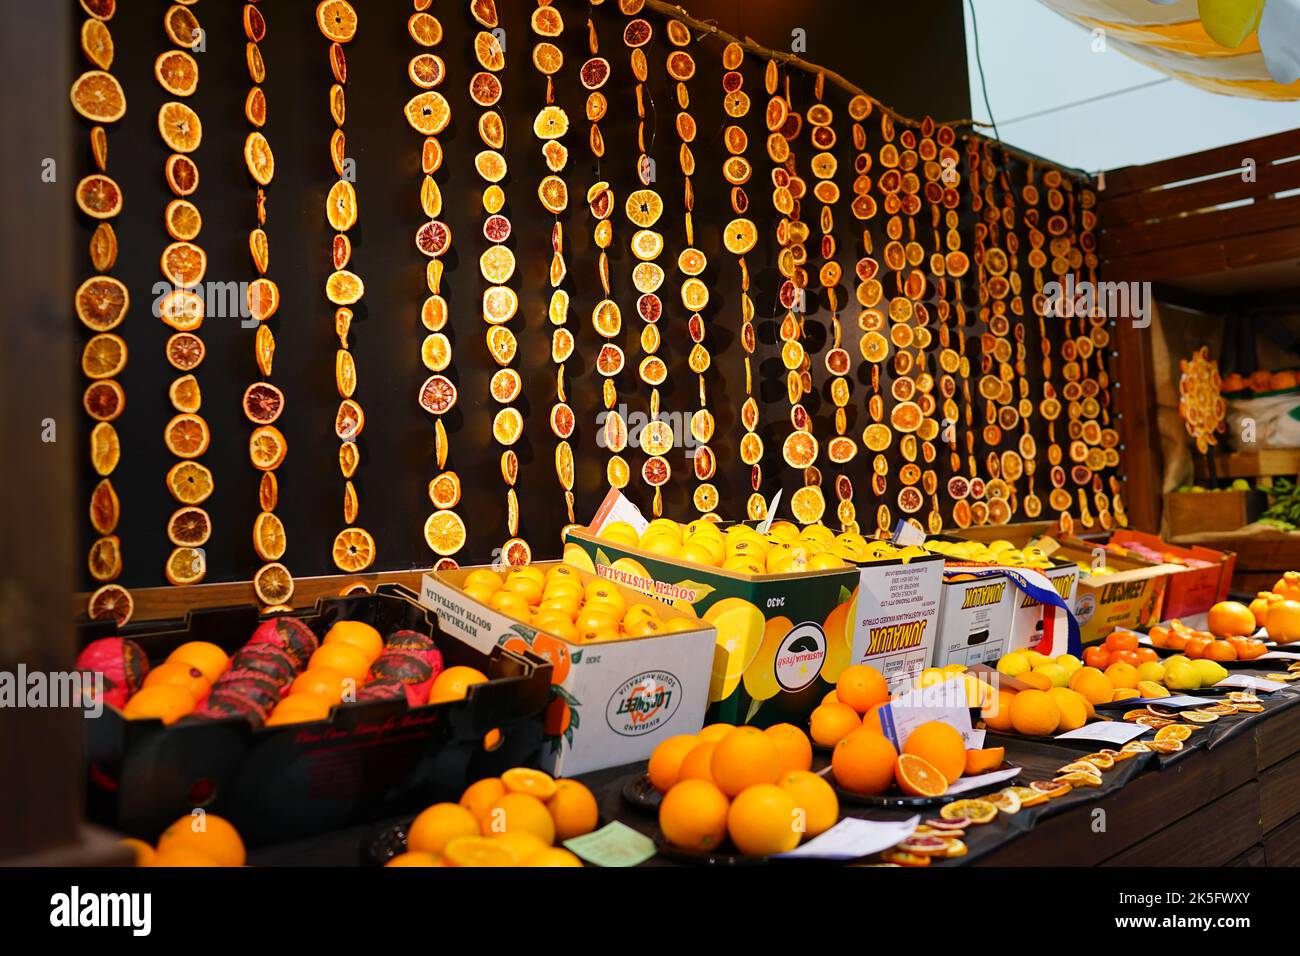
(505, 385)
(344, 288)
(184, 264)
(349, 459)
(425, 29)
(507, 426)
(177, 72)
(259, 158)
(180, 127)
(183, 220)
(262, 299)
(98, 97)
(444, 490)
(336, 20)
(548, 58)
(644, 207)
(111, 602)
(488, 52)
(273, 584)
(189, 482)
(426, 70)
(99, 196)
(444, 532)
(551, 123)
(349, 421)
(105, 508)
(607, 318)
(647, 244)
(185, 351)
(435, 352)
(740, 236)
(104, 400)
(338, 104)
(490, 165)
(491, 130)
(341, 206)
(269, 539)
(105, 449)
(189, 527)
(484, 88)
(516, 552)
(103, 356)
(500, 303)
(547, 22)
(182, 174)
(554, 194)
(808, 504)
(695, 294)
(428, 112)
(799, 449)
(267, 448)
(187, 436)
(186, 566)
(437, 395)
(502, 344)
(103, 247)
(97, 43)
(101, 303)
(185, 394)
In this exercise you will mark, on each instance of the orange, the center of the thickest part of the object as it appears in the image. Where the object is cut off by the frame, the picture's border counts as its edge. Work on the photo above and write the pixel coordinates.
(1034, 713)
(345, 659)
(713, 732)
(982, 761)
(1231, 619)
(573, 808)
(831, 723)
(478, 851)
(181, 856)
(861, 687)
(863, 762)
(1035, 680)
(940, 745)
(481, 794)
(1282, 621)
(918, 777)
(414, 859)
(437, 826)
(744, 758)
(300, 708)
(1073, 707)
(179, 674)
(763, 820)
(793, 747)
(519, 811)
(693, 815)
(552, 856)
(207, 658)
(1121, 674)
(666, 761)
(520, 843)
(1095, 686)
(358, 634)
(698, 764)
(815, 797)
(454, 684)
(208, 834)
(167, 702)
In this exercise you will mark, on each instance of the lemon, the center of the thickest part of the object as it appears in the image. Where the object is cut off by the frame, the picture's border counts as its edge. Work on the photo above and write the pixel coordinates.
(696, 554)
(825, 561)
(1069, 662)
(742, 564)
(784, 530)
(676, 625)
(1014, 664)
(619, 531)
(740, 632)
(662, 544)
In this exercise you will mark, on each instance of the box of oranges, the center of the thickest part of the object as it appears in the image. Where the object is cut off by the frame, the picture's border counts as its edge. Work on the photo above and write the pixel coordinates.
(788, 605)
(358, 709)
(627, 671)
(1115, 590)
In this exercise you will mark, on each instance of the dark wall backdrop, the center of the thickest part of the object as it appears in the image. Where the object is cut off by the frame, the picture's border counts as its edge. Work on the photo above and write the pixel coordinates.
(909, 55)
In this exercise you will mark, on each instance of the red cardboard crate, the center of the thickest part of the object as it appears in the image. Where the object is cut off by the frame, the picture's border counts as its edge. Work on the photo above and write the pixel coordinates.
(1194, 590)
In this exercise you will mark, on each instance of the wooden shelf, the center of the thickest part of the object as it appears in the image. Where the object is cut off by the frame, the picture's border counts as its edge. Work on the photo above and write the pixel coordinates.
(1254, 464)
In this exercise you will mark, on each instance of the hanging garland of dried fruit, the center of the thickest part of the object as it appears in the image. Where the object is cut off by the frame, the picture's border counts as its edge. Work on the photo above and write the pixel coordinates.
(1000, 281)
(691, 263)
(550, 127)
(101, 305)
(183, 264)
(800, 447)
(1018, 413)
(904, 414)
(606, 315)
(429, 113)
(643, 208)
(1036, 258)
(354, 548)
(497, 267)
(988, 385)
(840, 449)
(263, 402)
(739, 238)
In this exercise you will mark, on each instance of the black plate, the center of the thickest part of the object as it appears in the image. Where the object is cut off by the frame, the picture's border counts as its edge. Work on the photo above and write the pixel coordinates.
(901, 801)
(641, 794)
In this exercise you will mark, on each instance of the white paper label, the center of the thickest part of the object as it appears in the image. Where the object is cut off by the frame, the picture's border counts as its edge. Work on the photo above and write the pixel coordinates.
(1109, 731)
(852, 838)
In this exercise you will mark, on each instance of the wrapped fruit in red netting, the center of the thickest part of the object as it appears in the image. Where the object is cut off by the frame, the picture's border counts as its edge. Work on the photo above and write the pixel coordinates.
(416, 643)
(291, 634)
(386, 688)
(269, 659)
(121, 661)
(412, 669)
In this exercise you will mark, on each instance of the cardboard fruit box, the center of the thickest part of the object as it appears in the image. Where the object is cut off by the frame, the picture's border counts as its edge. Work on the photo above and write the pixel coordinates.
(783, 639)
(369, 760)
(612, 701)
(1196, 589)
(1131, 595)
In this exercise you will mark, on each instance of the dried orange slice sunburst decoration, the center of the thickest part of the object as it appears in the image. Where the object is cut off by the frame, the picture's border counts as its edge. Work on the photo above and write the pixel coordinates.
(428, 113)
(354, 548)
(101, 303)
(550, 127)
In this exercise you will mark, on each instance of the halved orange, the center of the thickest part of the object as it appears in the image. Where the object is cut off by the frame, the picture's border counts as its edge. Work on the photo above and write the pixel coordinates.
(918, 777)
(267, 448)
(259, 158)
(336, 20)
(103, 400)
(185, 394)
(98, 96)
(273, 584)
(189, 527)
(444, 532)
(177, 72)
(101, 303)
(103, 356)
(180, 127)
(187, 436)
(97, 43)
(189, 482)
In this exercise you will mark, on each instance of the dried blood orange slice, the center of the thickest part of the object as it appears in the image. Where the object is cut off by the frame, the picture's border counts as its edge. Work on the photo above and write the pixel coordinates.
(484, 88)
(105, 508)
(189, 527)
(101, 303)
(99, 196)
(180, 127)
(182, 174)
(98, 97)
(594, 73)
(437, 395)
(910, 500)
(111, 602)
(637, 33)
(562, 420)
(263, 403)
(610, 360)
(496, 228)
(433, 238)
(103, 400)
(426, 70)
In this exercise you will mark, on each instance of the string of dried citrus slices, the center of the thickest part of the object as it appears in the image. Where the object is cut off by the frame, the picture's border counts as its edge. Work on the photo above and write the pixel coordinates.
(800, 447)
(840, 449)
(101, 303)
(739, 238)
(429, 113)
(691, 263)
(354, 547)
(497, 266)
(643, 209)
(594, 74)
(263, 402)
(550, 126)
(184, 264)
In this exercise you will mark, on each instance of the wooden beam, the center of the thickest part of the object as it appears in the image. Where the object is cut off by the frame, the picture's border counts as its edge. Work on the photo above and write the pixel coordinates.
(1156, 204)
(1205, 258)
(1144, 237)
(1265, 149)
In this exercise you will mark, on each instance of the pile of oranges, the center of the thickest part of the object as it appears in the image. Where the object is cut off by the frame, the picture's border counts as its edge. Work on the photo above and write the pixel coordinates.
(754, 787)
(1276, 611)
(201, 839)
(515, 819)
(558, 602)
(860, 692)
